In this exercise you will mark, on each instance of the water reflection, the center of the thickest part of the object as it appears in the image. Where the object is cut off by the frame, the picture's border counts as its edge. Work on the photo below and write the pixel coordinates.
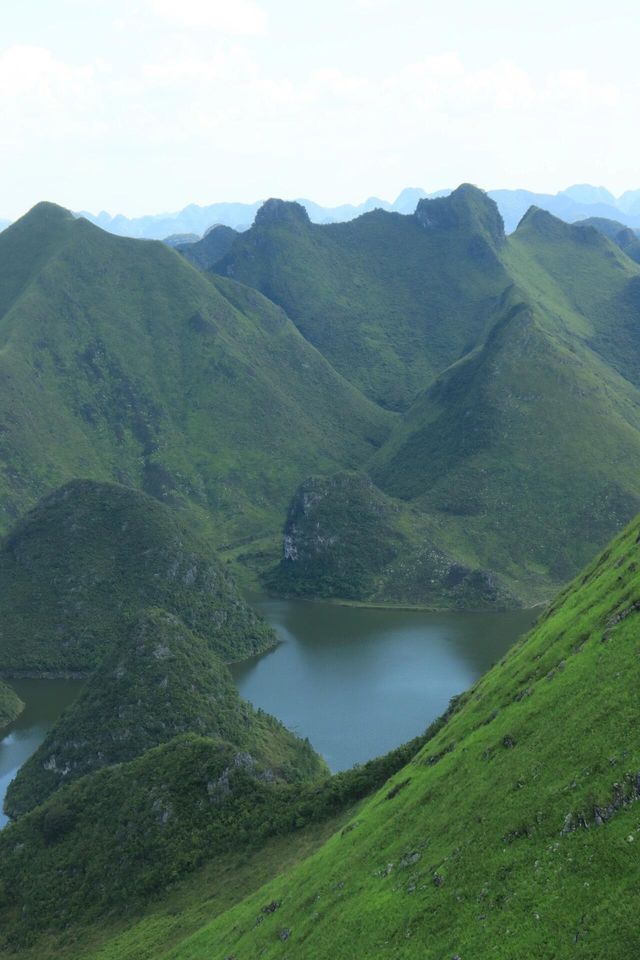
(359, 681)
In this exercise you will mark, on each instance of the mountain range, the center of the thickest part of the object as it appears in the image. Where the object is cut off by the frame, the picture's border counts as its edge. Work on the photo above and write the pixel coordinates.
(578, 202)
(414, 407)
(488, 385)
(575, 203)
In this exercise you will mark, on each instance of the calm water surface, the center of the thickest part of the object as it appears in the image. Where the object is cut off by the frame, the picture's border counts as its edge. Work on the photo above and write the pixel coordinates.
(357, 682)
(45, 700)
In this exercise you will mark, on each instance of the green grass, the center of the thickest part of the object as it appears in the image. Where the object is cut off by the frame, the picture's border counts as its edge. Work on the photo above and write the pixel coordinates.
(388, 300)
(511, 834)
(119, 843)
(79, 568)
(199, 393)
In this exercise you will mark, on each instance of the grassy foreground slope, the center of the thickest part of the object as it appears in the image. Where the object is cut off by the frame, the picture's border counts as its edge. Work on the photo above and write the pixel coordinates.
(11, 706)
(511, 834)
(79, 568)
(159, 682)
(120, 361)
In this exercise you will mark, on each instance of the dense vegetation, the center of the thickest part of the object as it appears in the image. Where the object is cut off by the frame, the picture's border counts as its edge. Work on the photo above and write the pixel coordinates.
(10, 705)
(77, 570)
(103, 846)
(520, 383)
(160, 681)
(509, 830)
(344, 537)
(120, 361)
(511, 833)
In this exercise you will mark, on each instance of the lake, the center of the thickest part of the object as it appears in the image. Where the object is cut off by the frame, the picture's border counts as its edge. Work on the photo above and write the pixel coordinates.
(360, 681)
(356, 681)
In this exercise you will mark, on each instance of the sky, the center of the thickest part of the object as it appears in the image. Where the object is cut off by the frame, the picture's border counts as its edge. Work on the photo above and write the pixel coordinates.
(144, 106)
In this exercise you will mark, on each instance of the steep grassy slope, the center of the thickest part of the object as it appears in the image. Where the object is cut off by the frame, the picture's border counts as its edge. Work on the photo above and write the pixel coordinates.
(626, 238)
(115, 843)
(119, 360)
(511, 834)
(159, 682)
(343, 537)
(77, 570)
(10, 705)
(528, 450)
(390, 300)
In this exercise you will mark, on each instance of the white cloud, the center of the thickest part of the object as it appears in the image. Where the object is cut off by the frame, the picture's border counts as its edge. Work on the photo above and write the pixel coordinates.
(231, 17)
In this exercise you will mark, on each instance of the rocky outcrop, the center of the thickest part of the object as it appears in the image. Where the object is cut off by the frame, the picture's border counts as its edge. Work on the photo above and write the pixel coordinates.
(344, 538)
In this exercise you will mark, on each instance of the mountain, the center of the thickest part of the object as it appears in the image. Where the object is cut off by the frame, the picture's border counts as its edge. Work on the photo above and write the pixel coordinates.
(575, 203)
(586, 193)
(11, 706)
(80, 566)
(206, 252)
(388, 300)
(494, 831)
(507, 357)
(527, 449)
(120, 361)
(626, 238)
(343, 537)
(158, 682)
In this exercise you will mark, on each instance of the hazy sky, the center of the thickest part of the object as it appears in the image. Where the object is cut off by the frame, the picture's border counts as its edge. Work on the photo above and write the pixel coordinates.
(147, 105)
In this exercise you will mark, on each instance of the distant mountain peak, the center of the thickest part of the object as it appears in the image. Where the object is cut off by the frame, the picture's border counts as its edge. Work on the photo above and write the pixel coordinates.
(467, 207)
(281, 211)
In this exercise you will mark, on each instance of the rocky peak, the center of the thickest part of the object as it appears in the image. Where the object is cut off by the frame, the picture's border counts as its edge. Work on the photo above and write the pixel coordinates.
(467, 208)
(281, 211)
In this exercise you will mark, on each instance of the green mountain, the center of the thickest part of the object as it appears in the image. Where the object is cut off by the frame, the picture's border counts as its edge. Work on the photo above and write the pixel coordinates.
(159, 682)
(626, 238)
(79, 568)
(120, 361)
(522, 453)
(343, 537)
(390, 300)
(206, 251)
(508, 830)
(11, 706)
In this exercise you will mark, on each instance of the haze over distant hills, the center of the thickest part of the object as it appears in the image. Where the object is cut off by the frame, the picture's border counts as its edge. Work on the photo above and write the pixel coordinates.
(575, 203)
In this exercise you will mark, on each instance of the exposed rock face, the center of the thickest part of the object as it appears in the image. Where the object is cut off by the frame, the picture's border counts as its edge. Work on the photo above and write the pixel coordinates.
(281, 211)
(344, 538)
(466, 208)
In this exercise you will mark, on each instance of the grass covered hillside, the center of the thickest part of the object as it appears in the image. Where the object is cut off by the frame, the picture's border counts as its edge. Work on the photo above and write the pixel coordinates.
(11, 706)
(79, 568)
(343, 537)
(120, 361)
(192, 821)
(159, 682)
(527, 451)
(511, 834)
(390, 300)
